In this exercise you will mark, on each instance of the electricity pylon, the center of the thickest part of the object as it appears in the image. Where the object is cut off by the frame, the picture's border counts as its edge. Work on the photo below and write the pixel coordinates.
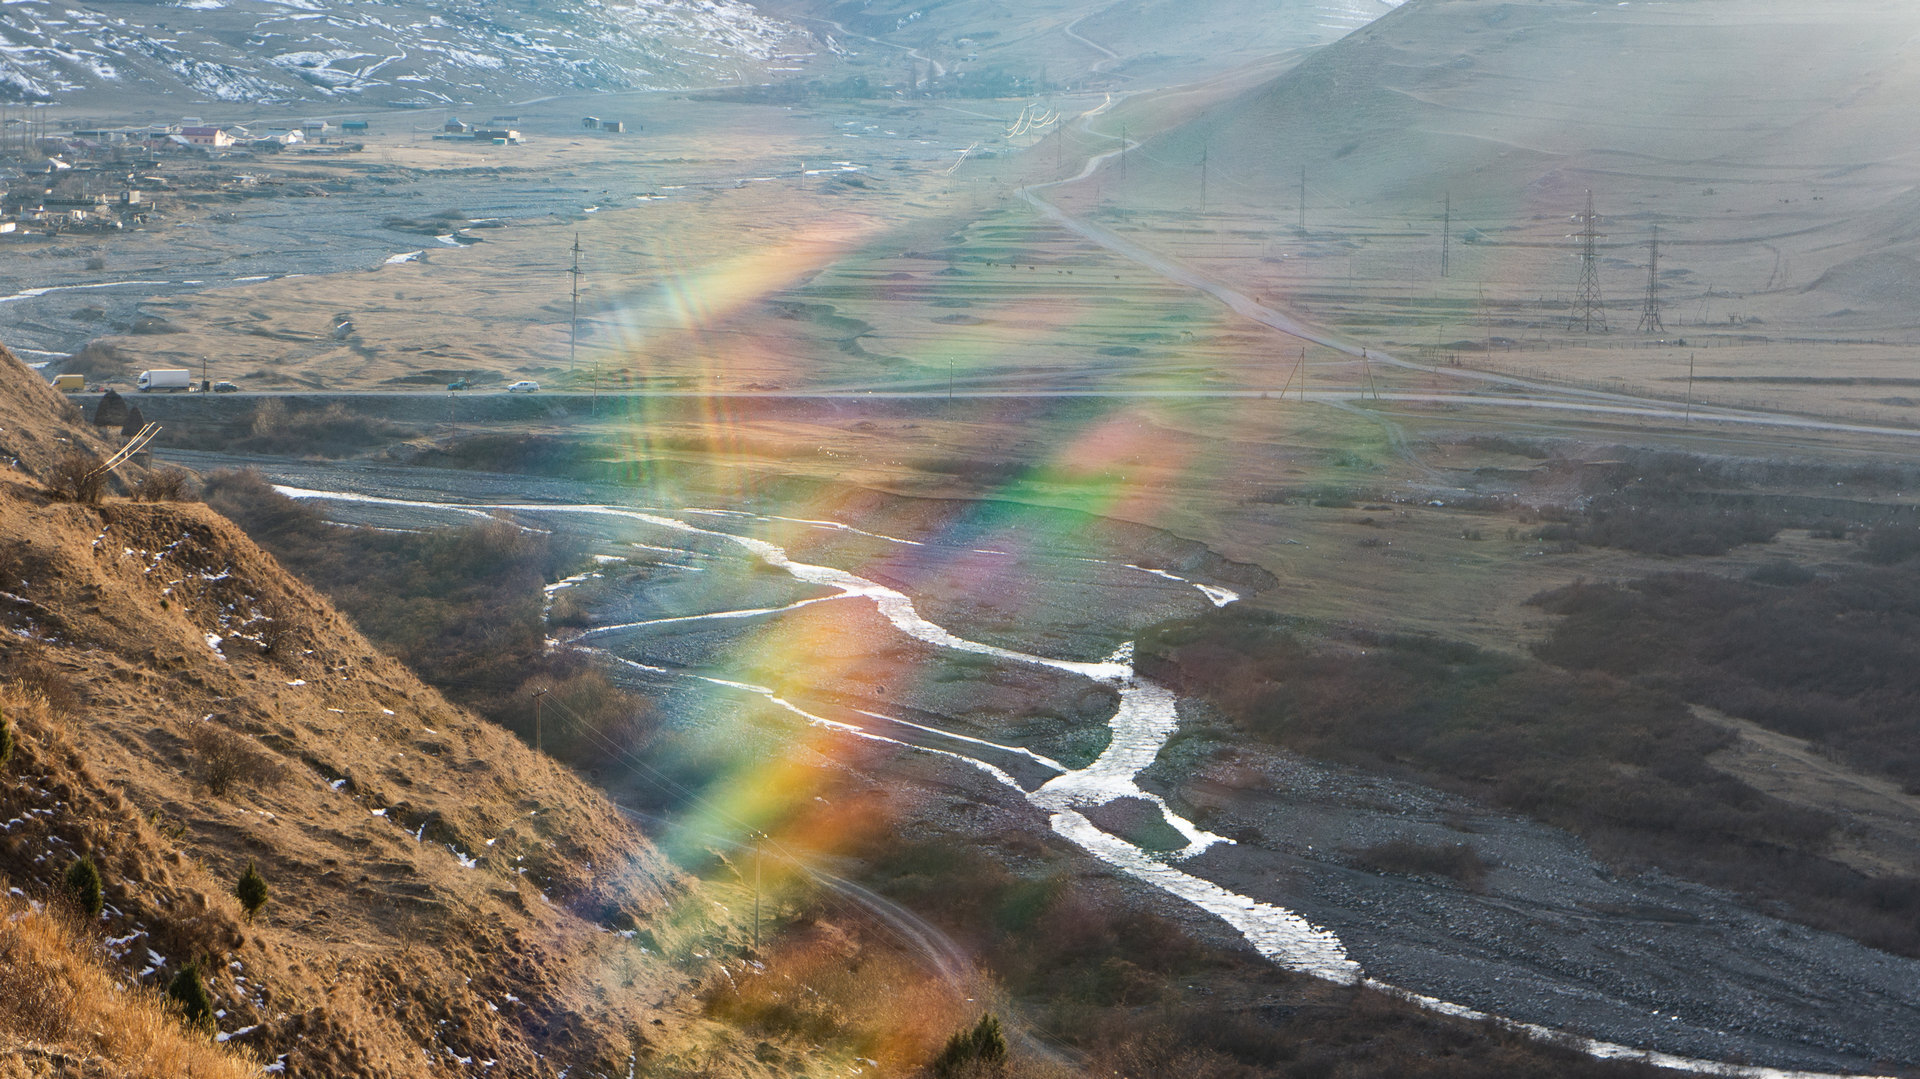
(1650, 310)
(1589, 314)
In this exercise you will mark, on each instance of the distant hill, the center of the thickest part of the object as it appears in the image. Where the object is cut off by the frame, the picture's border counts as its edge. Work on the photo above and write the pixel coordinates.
(420, 52)
(1077, 44)
(1770, 140)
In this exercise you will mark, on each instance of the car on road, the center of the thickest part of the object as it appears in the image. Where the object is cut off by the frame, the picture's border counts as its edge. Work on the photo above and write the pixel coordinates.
(458, 384)
(525, 385)
(225, 387)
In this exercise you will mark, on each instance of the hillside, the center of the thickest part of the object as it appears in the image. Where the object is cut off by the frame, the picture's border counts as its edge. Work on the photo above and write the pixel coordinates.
(424, 53)
(440, 895)
(1769, 141)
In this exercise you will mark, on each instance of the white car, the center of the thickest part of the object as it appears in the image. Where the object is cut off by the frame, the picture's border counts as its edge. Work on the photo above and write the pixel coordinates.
(525, 385)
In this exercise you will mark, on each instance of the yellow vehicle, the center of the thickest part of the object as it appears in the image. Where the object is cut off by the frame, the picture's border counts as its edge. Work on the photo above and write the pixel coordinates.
(70, 383)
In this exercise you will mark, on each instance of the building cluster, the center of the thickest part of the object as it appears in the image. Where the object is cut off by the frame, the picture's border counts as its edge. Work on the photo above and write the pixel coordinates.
(500, 131)
(187, 136)
(99, 178)
(58, 198)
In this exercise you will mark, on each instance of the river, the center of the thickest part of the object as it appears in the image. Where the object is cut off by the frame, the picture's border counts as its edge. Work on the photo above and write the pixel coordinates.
(1646, 967)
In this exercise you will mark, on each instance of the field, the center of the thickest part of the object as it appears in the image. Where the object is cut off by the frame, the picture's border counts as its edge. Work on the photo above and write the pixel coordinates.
(1523, 612)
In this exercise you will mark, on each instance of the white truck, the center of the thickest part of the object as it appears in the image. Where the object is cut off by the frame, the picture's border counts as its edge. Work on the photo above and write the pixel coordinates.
(170, 379)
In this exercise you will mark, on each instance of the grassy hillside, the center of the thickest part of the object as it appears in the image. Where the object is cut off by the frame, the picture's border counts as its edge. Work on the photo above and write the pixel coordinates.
(183, 708)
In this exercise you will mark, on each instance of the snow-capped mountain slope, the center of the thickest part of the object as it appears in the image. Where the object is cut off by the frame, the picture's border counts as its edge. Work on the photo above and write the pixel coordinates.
(381, 51)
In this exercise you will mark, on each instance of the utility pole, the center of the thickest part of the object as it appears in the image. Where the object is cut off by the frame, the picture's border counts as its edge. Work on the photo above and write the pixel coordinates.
(1299, 366)
(537, 695)
(1203, 178)
(1123, 151)
(1446, 234)
(573, 336)
(1589, 314)
(756, 837)
(1650, 311)
(1301, 224)
(1689, 419)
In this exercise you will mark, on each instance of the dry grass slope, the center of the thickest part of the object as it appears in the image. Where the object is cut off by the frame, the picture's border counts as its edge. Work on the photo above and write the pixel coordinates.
(67, 1011)
(439, 891)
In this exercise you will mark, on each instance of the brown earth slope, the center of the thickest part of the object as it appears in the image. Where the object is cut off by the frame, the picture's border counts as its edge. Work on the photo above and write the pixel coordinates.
(441, 896)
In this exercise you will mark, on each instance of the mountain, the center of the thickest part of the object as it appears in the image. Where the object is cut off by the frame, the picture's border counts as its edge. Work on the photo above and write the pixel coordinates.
(1767, 139)
(183, 709)
(1079, 44)
(377, 52)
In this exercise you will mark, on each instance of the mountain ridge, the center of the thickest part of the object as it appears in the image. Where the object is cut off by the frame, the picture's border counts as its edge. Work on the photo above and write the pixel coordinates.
(377, 53)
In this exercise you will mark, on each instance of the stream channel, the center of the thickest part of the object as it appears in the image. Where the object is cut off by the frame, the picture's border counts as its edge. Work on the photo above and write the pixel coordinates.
(722, 603)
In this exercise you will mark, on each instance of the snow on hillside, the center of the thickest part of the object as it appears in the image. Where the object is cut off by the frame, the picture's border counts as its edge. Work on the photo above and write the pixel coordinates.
(380, 51)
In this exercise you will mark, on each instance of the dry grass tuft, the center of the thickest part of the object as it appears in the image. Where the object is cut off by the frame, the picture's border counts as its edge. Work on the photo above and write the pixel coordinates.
(60, 999)
(822, 987)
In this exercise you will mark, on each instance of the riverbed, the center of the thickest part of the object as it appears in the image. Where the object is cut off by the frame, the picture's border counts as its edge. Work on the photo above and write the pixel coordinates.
(810, 624)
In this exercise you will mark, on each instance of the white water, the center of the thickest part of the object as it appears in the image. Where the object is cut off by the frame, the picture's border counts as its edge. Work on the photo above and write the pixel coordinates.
(34, 293)
(1219, 597)
(1140, 726)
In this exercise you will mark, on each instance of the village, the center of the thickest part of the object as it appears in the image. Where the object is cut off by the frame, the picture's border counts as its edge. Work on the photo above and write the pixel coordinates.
(103, 179)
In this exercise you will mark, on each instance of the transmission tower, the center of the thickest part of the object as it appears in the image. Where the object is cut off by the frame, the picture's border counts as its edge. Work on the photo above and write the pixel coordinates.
(1650, 311)
(1589, 314)
(1446, 234)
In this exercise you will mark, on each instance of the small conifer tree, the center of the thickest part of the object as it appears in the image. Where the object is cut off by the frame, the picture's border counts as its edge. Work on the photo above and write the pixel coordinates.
(989, 1043)
(112, 410)
(980, 1051)
(190, 992)
(251, 891)
(83, 884)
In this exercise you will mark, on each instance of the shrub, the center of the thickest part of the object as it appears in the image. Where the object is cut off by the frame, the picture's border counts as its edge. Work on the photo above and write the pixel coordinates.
(982, 1050)
(98, 361)
(269, 417)
(251, 891)
(83, 886)
(187, 990)
(6, 738)
(227, 758)
(1891, 543)
(76, 477)
(1780, 572)
(162, 485)
(1405, 857)
(32, 675)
